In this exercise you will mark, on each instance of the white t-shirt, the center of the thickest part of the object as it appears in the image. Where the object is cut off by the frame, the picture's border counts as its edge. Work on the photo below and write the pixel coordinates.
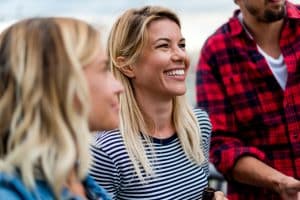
(277, 65)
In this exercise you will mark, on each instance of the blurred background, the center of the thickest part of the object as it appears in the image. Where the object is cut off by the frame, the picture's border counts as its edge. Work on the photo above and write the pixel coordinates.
(199, 18)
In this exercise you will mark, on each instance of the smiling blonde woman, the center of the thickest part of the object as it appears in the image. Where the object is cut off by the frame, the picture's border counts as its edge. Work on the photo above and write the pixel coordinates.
(161, 148)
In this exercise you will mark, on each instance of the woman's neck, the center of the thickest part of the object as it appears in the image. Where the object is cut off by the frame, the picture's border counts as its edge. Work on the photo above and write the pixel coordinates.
(158, 116)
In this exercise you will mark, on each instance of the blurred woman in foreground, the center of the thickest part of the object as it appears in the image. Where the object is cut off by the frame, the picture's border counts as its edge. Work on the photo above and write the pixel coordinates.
(55, 88)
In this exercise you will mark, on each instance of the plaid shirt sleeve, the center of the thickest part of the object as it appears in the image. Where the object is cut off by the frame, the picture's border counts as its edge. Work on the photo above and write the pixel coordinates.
(226, 144)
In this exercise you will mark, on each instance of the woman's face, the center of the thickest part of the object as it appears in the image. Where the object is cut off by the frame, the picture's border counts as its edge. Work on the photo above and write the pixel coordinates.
(104, 93)
(162, 67)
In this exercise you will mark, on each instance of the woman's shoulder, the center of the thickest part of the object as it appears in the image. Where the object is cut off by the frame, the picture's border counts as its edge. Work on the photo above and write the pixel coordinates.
(12, 187)
(202, 116)
(200, 112)
(108, 145)
(94, 189)
(107, 137)
(203, 121)
(108, 140)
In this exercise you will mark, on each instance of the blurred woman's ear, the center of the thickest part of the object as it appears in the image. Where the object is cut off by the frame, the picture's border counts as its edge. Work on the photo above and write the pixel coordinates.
(126, 69)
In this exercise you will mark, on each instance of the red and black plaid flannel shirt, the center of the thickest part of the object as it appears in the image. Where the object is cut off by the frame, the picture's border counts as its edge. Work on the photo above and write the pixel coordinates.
(250, 113)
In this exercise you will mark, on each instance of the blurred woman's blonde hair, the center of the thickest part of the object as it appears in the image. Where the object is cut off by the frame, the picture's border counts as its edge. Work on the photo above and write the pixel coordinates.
(43, 98)
(127, 39)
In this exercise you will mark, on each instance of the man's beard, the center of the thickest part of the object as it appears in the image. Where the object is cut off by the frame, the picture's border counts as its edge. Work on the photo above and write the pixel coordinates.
(269, 15)
(272, 16)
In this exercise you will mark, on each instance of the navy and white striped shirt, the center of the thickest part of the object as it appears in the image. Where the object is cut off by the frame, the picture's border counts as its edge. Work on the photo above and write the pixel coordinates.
(176, 177)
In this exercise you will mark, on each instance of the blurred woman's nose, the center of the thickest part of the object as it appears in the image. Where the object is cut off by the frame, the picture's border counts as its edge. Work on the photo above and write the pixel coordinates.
(118, 86)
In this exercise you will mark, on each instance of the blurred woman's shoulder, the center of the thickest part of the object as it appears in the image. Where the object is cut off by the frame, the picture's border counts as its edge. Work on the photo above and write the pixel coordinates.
(13, 188)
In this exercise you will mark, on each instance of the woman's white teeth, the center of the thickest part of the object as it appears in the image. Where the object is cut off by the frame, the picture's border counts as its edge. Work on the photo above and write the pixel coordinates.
(176, 72)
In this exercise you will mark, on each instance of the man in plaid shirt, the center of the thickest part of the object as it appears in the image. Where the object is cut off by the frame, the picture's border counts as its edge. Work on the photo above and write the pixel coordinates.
(248, 79)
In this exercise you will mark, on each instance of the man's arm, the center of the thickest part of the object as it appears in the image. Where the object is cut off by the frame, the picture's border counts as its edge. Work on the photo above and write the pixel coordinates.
(226, 143)
(250, 170)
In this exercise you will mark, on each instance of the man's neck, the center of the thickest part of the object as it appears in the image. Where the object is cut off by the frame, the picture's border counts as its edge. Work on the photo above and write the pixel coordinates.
(266, 35)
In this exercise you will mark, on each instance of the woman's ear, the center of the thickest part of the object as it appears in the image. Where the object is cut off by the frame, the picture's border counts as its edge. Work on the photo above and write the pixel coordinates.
(127, 70)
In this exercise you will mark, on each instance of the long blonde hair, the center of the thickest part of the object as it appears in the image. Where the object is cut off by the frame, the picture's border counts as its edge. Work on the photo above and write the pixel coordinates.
(127, 39)
(43, 98)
